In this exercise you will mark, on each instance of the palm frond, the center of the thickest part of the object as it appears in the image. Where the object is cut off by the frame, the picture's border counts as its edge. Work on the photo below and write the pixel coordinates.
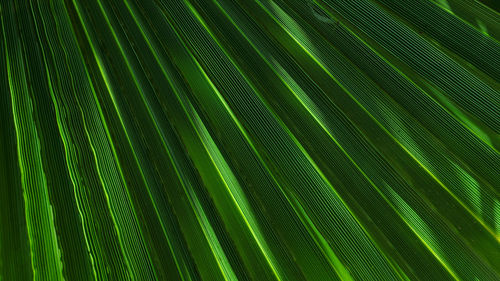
(249, 140)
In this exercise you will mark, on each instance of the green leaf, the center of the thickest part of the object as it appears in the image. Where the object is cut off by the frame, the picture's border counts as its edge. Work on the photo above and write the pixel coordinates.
(249, 140)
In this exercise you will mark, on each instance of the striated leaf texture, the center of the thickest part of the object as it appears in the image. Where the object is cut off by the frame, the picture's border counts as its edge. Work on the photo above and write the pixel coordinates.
(284, 140)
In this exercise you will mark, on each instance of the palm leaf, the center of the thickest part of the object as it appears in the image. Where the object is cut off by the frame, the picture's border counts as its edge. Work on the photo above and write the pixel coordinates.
(249, 140)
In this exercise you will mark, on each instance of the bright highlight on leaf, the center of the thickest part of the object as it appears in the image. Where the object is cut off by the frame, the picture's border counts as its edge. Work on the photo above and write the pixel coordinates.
(284, 140)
